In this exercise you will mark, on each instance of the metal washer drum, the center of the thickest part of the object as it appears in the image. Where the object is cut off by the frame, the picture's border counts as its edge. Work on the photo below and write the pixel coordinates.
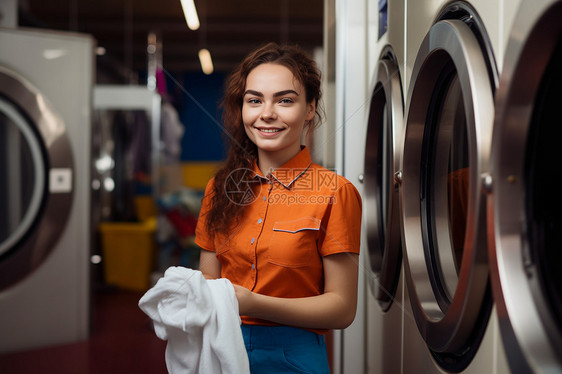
(443, 214)
(382, 151)
(33, 235)
(525, 203)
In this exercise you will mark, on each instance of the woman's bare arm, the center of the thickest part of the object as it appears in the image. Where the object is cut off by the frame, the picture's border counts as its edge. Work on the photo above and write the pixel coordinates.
(334, 309)
(209, 264)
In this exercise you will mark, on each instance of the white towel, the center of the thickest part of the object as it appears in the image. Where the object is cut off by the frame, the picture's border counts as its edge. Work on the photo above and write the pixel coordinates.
(199, 319)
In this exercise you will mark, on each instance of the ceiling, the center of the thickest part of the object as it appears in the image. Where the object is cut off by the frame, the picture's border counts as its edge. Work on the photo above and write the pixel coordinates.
(229, 28)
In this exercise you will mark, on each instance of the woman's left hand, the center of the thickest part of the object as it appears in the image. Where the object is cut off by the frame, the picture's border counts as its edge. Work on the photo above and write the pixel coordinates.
(244, 296)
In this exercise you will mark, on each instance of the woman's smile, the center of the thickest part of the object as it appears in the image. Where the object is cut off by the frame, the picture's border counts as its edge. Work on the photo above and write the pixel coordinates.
(268, 132)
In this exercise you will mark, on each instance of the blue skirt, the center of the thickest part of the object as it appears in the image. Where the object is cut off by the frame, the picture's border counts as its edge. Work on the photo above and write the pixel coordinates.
(283, 349)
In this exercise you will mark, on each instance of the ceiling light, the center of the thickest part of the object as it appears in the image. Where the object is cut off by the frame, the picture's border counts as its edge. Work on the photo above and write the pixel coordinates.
(206, 61)
(190, 14)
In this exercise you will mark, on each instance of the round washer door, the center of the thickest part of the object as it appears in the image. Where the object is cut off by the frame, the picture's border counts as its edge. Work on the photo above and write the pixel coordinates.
(525, 204)
(36, 180)
(446, 149)
(384, 132)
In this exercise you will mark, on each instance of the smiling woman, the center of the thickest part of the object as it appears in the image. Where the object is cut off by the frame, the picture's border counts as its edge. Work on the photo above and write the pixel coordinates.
(284, 230)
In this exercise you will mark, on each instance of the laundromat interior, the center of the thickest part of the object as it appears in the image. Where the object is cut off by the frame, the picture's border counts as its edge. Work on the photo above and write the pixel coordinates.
(443, 115)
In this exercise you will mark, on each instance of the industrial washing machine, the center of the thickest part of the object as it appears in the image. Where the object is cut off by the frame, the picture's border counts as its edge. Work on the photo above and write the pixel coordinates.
(45, 107)
(382, 242)
(524, 203)
(449, 61)
(450, 324)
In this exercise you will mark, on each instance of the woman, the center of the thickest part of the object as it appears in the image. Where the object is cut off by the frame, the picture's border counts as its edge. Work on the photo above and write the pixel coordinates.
(283, 230)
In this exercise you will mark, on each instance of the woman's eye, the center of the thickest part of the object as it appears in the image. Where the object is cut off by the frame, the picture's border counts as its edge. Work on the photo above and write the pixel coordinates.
(253, 101)
(286, 100)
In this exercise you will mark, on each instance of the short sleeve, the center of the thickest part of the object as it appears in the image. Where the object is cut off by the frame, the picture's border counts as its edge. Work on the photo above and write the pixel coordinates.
(341, 226)
(202, 237)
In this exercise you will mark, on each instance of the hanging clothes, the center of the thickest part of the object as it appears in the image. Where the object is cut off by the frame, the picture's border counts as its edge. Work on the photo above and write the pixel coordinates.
(171, 133)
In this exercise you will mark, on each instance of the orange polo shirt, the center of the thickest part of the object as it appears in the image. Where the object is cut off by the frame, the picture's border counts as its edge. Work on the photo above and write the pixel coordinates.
(300, 214)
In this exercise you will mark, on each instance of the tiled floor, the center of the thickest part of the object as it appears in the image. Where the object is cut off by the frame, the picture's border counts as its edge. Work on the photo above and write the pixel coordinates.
(122, 341)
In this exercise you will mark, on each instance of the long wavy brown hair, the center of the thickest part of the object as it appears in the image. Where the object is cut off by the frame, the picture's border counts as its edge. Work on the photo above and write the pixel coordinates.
(232, 189)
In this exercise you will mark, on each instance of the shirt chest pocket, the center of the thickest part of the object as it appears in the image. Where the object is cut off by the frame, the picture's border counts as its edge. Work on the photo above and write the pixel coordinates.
(293, 243)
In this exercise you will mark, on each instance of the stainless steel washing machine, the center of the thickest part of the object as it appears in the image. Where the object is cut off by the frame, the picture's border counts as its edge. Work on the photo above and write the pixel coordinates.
(449, 322)
(382, 244)
(45, 106)
(524, 203)
(382, 221)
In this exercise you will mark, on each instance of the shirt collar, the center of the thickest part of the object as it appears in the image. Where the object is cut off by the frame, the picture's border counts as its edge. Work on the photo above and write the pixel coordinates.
(291, 170)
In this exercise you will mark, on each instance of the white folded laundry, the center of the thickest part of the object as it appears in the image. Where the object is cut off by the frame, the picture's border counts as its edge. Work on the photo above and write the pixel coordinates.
(199, 319)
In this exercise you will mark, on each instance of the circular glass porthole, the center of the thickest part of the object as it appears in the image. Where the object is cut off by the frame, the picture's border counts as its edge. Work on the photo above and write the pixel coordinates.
(36, 182)
(22, 175)
(384, 131)
(446, 149)
(524, 204)
(543, 201)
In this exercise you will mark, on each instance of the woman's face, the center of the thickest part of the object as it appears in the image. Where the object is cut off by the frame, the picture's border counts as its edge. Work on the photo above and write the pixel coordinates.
(274, 111)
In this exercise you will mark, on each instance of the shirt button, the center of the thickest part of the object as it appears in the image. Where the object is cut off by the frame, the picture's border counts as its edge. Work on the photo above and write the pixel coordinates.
(253, 240)
(260, 220)
(253, 266)
(264, 198)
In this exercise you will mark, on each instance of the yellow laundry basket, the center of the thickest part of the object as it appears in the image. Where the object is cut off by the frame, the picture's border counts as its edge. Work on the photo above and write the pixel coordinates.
(129, 251)
(145, 207)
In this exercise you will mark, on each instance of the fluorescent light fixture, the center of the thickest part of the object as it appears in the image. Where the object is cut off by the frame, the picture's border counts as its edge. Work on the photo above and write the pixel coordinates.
(206, 61)
(190, 14)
